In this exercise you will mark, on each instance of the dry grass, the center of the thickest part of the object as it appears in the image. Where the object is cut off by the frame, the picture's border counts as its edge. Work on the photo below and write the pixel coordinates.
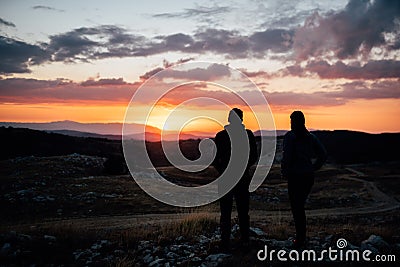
(278, 227)
(126, 261)
(190, 226)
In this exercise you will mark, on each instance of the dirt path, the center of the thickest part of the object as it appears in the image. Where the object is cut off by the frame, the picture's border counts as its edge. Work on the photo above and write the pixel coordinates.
(382, 203)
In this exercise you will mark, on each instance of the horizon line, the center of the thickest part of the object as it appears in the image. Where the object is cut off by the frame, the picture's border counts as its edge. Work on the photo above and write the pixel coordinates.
(169, 131)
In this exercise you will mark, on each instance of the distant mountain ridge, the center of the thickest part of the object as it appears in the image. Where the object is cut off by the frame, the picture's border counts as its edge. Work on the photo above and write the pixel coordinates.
(113, 130)
(344, 147)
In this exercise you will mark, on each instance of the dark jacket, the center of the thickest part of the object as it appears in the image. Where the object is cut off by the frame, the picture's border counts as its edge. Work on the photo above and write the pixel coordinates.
(298, 151)
(223, 154)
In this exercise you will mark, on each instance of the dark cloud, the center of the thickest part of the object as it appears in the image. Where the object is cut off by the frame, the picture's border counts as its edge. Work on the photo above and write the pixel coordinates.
(211, 73)
(346, 92)
(6, 23)
(290, 19)
(39, 7)
(103, 82)
(252, 74)
(276, 40)
(20, 90)
(150, 73)
(362, 90)
(346, 34)
(85, 44)
(355, 30)
(375, 69)
(303, 99)
(224, 42)
(195, 12)
(17, 56)
(166, 64)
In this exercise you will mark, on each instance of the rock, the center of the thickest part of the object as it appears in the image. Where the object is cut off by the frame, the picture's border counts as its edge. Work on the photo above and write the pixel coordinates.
(365, 246)
(325, 245)
(100, 244)
(119, 252)
(235, 229)
(279, 243)
(105, 242)
(313, 243)
(79, 254)
(196, 259)
(179, 238)
(377, 242)
(25, 192)
(203, 239)
(257, 231)
(156, 263)
(49, 238)
(5, 249)
(96, 246)
(172, 255)
(275, 199)
(351, 247)
(174, 248)
(95, 255)
(328, 238)
(217, 257)
(156, 249)
(24, 238)
(148, 258)
(110, 195)
(43, 198)
(143, 245)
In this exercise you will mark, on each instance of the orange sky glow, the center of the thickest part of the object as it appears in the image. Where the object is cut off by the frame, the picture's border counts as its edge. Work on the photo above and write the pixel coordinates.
(364, 115)
(320, 57)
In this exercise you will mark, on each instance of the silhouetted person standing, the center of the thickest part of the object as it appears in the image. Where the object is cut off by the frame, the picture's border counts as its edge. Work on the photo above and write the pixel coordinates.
(241, 190)
(299, 147)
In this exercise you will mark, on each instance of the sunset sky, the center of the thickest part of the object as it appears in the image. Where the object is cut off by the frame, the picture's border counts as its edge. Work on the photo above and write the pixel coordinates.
(337, 61)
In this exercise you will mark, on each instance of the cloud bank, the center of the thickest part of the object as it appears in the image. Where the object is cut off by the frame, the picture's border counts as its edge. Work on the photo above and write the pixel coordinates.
(366, 29)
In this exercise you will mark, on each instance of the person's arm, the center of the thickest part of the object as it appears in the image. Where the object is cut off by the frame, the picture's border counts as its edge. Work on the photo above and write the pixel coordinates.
(253, 155)
(287, 153)
(217, 160)
(321, 153)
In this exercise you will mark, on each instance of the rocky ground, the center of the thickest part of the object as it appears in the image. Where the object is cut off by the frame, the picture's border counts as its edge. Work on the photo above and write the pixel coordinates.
(202, 250)
(66, 211)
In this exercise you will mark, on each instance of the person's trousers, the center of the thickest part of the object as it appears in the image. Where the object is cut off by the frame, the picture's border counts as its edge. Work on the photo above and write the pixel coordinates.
(242, 196)
(299, 187)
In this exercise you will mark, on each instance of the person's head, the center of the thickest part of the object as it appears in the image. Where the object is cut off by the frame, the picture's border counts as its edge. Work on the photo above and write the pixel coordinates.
(235, 116)
(297, 120)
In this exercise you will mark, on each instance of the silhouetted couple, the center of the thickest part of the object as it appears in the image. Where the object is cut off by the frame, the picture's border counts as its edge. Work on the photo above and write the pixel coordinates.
(299, 147)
